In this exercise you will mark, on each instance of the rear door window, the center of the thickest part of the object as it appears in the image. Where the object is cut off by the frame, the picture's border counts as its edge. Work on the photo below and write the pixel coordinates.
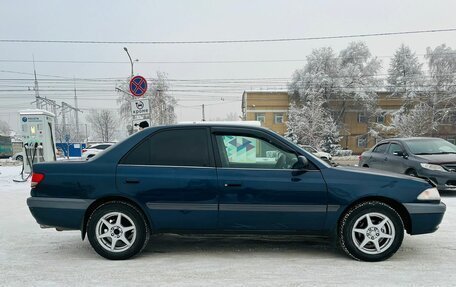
(177, 147)
(381, 148)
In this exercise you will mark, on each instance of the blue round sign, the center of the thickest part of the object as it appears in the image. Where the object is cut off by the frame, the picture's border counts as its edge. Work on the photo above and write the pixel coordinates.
(138, 86)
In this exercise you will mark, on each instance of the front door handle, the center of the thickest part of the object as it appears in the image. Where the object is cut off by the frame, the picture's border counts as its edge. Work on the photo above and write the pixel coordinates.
(132, 180)
(232, 185)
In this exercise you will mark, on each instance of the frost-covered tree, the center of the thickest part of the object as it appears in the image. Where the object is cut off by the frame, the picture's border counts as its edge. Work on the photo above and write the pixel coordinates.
(349, 80)
(428, 99)
(415, 122)
(162, 104)
(405, 76)
(319, 77)
(441, 86)
(359, 82)
(311, 124)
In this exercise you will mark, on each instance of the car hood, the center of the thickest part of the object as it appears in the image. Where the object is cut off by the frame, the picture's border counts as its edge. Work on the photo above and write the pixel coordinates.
(437, 158)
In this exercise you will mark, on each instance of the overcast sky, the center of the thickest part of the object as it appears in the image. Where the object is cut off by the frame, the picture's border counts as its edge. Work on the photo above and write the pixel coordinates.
(190, 21)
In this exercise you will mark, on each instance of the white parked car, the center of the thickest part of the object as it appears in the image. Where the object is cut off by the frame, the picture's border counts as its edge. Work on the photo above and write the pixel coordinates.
(94, 149)
(321, 154)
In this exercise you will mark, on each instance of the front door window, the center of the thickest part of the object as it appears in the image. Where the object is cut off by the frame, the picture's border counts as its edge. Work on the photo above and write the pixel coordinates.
(249, 152)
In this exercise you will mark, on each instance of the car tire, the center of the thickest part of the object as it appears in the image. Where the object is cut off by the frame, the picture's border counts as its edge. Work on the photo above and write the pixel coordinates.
(20, 158)
(117, 230)
(371, 231)
(412, 172)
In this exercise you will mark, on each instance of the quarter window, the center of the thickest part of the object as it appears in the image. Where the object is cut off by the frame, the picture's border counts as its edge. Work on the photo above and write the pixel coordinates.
(249, 152)
(177, 147)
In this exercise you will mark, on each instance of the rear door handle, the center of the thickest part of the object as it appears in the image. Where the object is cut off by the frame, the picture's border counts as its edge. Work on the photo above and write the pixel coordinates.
(132, 180)
(232, 184)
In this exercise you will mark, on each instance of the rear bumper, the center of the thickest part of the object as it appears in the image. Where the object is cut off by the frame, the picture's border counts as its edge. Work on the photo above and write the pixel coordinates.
(425, 217)
(63, 213)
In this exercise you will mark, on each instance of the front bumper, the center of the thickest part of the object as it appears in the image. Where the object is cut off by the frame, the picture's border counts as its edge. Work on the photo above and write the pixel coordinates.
(61, 213)
(446, 181)
(425, 217)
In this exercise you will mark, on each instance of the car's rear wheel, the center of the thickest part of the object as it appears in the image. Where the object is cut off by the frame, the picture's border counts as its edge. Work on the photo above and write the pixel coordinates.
(117, 230)
(20, 158)
(371, 231)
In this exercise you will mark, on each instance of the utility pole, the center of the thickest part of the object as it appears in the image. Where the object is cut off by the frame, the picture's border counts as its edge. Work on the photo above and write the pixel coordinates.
(66, 106)
(63, 120)
(202, 110)
(76, 110)
(35, 88)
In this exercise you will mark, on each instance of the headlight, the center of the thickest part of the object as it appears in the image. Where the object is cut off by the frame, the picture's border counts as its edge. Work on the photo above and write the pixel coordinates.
(435, 167)
(429, 194)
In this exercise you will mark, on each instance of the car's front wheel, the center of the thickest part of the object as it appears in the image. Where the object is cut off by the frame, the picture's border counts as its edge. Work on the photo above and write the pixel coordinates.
(371, 231)
(117, 230)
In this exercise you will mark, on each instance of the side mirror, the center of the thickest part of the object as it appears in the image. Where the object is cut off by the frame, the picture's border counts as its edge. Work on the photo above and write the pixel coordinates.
(398, 153)
(302, 163)
(401, 153)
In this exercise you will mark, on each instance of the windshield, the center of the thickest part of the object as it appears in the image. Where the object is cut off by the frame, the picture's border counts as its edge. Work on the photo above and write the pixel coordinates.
(430, 146)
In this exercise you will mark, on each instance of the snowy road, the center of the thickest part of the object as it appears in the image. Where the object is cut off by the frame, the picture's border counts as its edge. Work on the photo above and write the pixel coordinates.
(30, 256)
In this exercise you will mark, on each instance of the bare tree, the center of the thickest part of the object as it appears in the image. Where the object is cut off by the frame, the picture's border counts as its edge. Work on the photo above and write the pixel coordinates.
(104, 123)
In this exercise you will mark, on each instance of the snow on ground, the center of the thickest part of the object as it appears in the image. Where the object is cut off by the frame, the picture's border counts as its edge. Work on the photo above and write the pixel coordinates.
(30, 256)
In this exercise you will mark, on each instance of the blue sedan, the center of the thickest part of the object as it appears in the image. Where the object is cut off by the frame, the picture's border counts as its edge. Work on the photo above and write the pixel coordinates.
(225, 179)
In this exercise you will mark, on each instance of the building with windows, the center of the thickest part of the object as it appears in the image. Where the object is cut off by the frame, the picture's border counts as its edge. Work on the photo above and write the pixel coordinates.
(270, 108)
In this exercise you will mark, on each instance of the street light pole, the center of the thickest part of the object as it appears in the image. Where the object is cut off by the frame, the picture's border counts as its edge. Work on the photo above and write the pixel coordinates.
(126, 50)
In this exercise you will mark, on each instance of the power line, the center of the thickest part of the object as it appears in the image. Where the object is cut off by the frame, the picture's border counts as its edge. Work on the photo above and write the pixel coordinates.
(229, 41)
(192, 61)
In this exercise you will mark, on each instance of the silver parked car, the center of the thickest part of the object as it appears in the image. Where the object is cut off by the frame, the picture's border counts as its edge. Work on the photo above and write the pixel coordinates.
(431, 158)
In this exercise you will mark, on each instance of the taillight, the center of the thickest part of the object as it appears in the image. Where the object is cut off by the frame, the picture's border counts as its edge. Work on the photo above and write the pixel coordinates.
(36, 179)
(360, 157)
(84, 150)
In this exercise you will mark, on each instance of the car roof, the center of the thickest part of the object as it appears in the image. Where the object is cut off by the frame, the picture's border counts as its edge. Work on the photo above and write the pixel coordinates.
(408, 139)
(241, 125)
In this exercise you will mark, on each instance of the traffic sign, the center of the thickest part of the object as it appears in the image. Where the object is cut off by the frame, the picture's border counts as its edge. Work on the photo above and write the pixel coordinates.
(138, 86)
(139, 107)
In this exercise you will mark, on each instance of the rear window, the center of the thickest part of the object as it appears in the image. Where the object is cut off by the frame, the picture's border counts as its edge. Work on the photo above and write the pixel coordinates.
(172, 148)
(102, 146)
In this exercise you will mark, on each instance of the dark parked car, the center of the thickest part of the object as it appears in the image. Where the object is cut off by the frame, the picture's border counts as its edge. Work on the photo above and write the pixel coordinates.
(228, 179)
(432, 158)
